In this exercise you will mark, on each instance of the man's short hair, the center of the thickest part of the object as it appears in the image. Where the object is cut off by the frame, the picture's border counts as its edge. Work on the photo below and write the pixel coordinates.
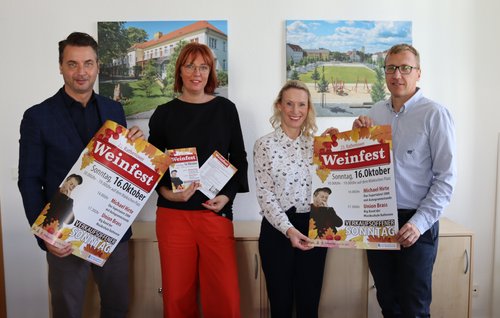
(77, 39)
(398, 48)
(325, 189)
(77, 177)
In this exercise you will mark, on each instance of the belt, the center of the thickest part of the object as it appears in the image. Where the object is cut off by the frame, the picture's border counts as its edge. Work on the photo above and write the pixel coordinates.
(406, 211)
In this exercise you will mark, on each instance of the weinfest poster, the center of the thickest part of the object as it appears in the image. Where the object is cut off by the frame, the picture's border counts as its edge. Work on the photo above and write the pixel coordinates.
(354, 196)
(102, 194)
(184, 168)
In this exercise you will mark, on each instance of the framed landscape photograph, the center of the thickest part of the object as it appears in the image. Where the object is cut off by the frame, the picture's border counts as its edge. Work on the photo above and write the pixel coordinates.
(342, 61)
(137, 60)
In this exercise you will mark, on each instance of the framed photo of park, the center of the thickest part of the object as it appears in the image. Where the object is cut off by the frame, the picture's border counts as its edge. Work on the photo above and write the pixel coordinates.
(342, 61)
(137, 60)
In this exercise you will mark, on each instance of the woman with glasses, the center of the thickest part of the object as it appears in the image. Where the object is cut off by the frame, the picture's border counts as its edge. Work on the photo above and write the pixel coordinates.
(195, 234)
(282, 162)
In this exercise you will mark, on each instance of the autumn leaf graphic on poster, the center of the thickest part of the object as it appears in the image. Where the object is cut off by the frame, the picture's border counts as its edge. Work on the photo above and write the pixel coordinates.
(111, 181)
(353, 202)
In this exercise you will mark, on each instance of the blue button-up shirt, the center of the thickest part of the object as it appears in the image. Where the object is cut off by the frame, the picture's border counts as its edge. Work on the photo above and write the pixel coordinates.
(424, 147)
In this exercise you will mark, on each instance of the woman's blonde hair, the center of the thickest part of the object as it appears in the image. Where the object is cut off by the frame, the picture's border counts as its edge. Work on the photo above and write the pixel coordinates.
(309, 126)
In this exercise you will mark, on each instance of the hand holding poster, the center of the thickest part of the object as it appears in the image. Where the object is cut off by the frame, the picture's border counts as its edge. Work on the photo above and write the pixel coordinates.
(354, 199)
(102, 194)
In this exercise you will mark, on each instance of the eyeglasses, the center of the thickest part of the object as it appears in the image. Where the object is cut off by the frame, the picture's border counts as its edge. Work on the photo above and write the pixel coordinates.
(190, 68)
(403, 69)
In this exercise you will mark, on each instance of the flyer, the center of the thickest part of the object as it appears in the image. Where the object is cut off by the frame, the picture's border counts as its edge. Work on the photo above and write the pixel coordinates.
(184, 168)
(215, 173)
(102, 194)
(353, 202)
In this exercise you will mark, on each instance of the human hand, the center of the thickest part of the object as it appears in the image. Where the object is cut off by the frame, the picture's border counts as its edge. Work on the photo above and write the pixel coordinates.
(408, 235)
(59, 252)
(298, 239)
(362, 121)
(330, 131)
(182, 196)
(135, 133)
(216, 204)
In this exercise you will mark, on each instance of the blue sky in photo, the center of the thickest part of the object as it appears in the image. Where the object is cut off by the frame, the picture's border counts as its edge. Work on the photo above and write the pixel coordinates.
(344, 35)
(151, 27)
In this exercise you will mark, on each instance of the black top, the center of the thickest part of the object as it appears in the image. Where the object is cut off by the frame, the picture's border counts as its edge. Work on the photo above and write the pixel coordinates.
(325, 218)
(86, 119)
(61, 210)
(208, 126)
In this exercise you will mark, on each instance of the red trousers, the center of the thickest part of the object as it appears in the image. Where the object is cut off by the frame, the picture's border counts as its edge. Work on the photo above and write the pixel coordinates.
(197, 249)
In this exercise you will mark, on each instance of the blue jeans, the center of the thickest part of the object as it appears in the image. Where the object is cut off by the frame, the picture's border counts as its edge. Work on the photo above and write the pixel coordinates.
(404, 278)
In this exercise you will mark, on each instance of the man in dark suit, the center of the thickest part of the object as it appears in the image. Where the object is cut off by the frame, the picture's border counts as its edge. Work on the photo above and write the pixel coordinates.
(324, 216)
(53, 134)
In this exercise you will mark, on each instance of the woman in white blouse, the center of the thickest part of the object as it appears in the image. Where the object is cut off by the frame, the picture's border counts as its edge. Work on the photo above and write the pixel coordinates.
(282, 160)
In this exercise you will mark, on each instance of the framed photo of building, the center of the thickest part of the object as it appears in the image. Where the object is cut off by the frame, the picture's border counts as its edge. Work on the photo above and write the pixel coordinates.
(342, 61)
(137, 60)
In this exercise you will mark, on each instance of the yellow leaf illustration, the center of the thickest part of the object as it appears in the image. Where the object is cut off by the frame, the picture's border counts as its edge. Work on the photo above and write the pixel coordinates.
(161, 161)
(41, 218)
(312, 223)
(357, 239)
(76, 244)
(87, 159)
(140, 145)
(323, 174)
(65, 232)
(313, 234)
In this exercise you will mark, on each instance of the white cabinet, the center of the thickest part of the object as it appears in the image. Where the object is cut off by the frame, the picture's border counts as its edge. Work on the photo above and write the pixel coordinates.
(452, 276)
(253, 295)
(348, 290)
(344, 292)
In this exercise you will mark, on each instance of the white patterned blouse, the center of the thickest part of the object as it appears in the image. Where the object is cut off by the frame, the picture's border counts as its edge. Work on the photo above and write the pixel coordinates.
(282, 175)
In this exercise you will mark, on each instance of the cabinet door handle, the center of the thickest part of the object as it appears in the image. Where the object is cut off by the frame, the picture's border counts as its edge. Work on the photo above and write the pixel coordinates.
(256, 271)
(466, 262)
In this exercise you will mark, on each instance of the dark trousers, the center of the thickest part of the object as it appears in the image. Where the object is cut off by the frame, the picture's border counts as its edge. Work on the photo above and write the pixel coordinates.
(404, 278)
(68, 278)
(291, 274)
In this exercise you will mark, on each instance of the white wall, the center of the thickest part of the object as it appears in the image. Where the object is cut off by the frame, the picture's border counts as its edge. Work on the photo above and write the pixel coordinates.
(459, 69)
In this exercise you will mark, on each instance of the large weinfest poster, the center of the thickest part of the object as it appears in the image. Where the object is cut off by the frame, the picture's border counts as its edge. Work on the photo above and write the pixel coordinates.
(102, 194)
(353, 194)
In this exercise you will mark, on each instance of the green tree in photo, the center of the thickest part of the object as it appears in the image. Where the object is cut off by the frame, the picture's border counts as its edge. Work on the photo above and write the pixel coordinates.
(168, 81)
(378, 88)
(149, 78)
(136, 35)
(113, 41)
(323, 83)
(222, 78)
(315, 76)
(295, 75)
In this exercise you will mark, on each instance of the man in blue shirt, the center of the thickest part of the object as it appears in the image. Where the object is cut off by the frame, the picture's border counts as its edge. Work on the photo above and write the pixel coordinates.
(423, 139)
